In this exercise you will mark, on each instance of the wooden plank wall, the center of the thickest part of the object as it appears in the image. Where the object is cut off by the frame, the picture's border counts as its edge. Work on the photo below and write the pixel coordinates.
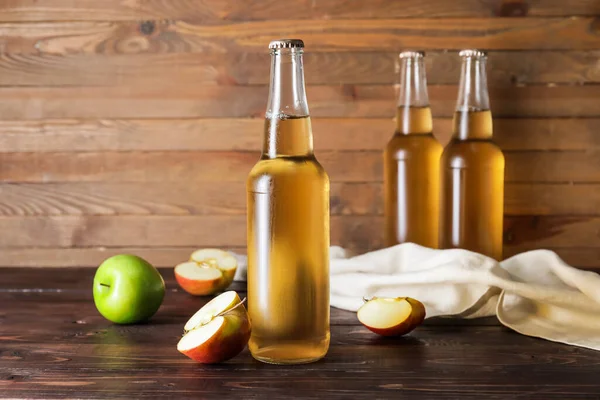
(130, 126)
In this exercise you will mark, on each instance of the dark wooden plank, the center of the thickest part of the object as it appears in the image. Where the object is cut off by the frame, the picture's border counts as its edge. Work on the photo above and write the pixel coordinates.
(72, 304)
(68, 298)
(55, 345)
(353, 232)
(388, 367)
(247, 380)
(505, 68)
(192, 101)
(228, 198)
(319, 35)
(69, 301)
(65, 289)
(96, 329)
(231, 10)
(195, 167)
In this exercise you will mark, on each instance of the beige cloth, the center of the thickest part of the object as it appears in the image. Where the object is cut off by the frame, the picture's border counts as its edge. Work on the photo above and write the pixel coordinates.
(533, 293)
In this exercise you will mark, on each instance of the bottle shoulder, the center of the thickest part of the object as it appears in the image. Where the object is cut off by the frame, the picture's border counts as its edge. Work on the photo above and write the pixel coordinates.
(462, 153)
(407, 146)
(268, 172)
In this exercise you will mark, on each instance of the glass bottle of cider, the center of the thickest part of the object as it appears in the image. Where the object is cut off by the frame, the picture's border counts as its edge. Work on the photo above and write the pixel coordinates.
(411, 163)
(288, 225)
(472, 195)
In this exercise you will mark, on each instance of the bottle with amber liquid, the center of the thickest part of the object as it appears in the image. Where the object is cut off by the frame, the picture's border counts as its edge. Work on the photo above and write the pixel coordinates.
(472, 165)
(288, 225)
(411, 163)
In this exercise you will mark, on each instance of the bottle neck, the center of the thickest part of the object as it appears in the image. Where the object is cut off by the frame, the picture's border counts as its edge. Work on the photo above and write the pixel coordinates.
(287, 127)
(413, 115)
(287, 95)
(472, 125)
(473, 118)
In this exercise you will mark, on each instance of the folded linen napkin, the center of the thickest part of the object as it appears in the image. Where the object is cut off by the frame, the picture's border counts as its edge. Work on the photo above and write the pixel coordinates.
(534, 293)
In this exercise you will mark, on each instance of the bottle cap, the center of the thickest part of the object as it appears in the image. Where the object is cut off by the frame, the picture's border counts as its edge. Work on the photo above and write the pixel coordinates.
(472, 53)
(412, 54)
(286, 44)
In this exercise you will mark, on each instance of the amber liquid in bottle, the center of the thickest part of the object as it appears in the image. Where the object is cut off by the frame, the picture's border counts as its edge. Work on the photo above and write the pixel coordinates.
(288, 229)
(411, 163)
(472, 203)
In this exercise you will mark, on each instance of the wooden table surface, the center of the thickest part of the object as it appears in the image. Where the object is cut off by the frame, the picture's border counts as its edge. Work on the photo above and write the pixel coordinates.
(54, 344)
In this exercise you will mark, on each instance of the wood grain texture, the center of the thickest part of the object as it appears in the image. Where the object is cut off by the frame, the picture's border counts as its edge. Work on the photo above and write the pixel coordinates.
(192, 101)
(174, 36)
(194, 167)
(229, 198)
(168, 198)
(225, 134)
(92, 257)
(242, 68)
(162, 256)
(580, 257)
(125, 124)
(56, 345)
(232, 10)
(542, 232)
(353, 231)
(182, 166)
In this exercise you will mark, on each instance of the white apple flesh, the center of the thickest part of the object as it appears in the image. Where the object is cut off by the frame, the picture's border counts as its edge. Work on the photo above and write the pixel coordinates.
(391, 316)
(208, 271)
(218, 331)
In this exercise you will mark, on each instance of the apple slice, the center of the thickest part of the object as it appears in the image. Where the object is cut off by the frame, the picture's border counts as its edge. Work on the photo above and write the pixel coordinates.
(209, 271)
(391, 316)
(198, 279)
(218, 331)
(220, 259)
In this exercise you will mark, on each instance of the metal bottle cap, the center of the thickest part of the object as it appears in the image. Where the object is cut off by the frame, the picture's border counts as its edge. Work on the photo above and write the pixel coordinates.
(472, 53)
(412, 54)
(286, 44)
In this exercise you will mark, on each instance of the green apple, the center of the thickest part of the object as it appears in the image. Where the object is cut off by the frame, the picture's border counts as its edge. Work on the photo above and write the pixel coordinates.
(128, 289)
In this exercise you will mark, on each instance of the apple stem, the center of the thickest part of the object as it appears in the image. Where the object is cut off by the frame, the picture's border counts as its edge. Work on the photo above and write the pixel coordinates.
(366, 300)
(215, 316)
(231, 309)
(104, 284)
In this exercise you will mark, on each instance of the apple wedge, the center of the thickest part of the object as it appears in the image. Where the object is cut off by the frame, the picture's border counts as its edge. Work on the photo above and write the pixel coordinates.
(208, 271)
(391, 316)
(218, 331)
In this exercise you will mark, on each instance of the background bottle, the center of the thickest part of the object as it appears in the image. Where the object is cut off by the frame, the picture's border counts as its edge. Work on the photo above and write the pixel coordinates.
(411, 163)
(288, 225)
(472, 203)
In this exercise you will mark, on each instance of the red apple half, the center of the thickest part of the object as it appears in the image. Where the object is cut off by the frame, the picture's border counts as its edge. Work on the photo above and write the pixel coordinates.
(391, 316)
(208, 271)
(218, 331)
